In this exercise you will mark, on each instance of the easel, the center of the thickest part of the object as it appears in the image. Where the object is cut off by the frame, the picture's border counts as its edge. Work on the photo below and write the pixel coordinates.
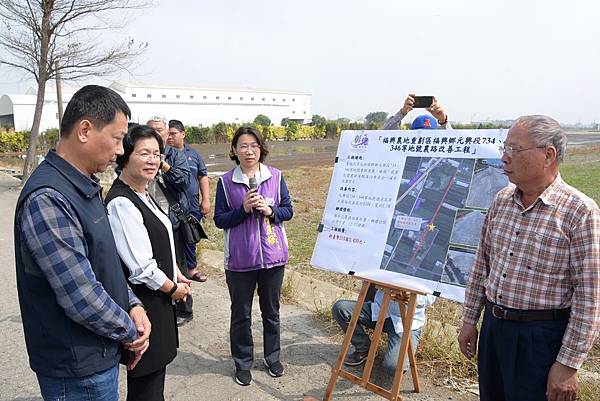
(394, 293)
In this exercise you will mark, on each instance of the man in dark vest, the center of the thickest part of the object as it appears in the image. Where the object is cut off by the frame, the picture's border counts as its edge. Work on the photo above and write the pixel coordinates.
(78, 311)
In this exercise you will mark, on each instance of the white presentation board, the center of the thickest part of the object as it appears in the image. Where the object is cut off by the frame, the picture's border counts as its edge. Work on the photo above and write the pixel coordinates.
(406, 207)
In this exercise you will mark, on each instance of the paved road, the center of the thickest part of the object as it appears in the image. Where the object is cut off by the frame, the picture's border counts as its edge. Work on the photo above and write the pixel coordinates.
(203, 368)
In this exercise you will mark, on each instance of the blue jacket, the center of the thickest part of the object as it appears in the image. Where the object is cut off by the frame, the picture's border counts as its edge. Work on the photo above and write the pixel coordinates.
(176, 180)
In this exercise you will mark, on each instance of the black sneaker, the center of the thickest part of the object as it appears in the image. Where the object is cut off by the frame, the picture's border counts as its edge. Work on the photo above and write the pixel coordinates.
(243, 377)
(275, 368)
(356, 358)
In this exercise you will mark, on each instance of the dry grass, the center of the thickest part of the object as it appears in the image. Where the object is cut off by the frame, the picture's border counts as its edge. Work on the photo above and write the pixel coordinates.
(288, 291)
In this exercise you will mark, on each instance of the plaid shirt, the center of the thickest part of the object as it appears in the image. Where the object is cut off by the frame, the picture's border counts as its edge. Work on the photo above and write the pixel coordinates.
(54, 238)
(546, 256)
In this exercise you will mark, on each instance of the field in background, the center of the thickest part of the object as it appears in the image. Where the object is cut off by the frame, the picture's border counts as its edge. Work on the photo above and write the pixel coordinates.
(437, 353)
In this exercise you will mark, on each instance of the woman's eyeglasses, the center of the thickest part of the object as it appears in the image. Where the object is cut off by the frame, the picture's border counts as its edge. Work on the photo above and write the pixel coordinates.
(147, 156)
(252, 146)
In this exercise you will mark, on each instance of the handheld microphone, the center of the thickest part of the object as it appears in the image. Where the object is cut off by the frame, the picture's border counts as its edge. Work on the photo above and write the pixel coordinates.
(252, 183)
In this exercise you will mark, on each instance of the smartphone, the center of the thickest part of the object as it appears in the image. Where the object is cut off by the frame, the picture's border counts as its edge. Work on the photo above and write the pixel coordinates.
(422, 102)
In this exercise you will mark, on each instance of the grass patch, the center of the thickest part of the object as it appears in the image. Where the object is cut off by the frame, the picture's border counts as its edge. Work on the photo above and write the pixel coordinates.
(288, 291)
(322, 314)
(589, 389)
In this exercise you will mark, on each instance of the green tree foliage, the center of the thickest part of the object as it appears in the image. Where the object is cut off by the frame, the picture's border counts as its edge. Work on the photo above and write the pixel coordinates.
(291, 130)
(262, 120)
(50, 138)
(375, 119)
(343, 122)
(332, 129)
(319, 122)
(220, 132)
(355, 125)
(194, 134)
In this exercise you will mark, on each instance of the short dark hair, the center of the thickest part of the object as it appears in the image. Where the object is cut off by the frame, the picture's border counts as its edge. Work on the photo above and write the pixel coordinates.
(95, 103)
(264, 151)
(136, 133)
(178, 125)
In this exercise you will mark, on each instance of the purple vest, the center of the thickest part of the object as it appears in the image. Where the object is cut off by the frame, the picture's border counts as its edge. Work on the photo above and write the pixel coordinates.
(256, 243)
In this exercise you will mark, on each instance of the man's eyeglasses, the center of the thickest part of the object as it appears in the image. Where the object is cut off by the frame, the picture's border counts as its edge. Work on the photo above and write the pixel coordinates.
(244, 147)
(510, 150)
(173, 133)
(148, 156)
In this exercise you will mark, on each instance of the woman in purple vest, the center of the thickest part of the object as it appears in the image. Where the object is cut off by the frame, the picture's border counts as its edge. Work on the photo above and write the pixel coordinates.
(251, 204)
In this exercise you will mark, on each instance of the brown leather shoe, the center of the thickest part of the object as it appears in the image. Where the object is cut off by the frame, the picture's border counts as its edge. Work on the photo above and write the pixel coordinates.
(198, 275)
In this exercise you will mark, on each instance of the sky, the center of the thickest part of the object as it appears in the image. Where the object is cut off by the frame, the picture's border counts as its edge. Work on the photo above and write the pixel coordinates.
(482, 60)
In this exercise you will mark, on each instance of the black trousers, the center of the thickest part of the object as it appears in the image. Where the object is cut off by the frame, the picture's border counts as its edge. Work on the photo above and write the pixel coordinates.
(241, 291)
(182, 309)
(147, 388)
(514, 358)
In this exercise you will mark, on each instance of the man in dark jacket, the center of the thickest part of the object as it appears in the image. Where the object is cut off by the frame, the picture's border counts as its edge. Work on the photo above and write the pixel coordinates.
(198, 192)
(77, 309)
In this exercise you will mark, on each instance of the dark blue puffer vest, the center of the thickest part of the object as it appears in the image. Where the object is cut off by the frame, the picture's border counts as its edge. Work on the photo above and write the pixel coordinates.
(57, 346)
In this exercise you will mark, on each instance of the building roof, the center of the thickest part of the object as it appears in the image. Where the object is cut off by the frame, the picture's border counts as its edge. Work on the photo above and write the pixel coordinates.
(122, 85)
(20, 99)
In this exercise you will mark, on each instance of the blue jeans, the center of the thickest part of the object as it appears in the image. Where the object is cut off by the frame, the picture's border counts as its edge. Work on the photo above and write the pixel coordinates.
(102, 386)
(342, 313)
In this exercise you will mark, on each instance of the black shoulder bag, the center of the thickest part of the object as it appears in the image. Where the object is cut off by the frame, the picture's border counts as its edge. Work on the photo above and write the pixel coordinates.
(188, 224)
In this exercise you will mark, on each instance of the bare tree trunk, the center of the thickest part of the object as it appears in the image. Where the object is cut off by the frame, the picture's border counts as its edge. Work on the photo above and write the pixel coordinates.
(42, 78)
(33, 134)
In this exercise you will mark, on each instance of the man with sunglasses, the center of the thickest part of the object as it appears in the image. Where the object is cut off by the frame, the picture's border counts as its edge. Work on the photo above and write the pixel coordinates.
(536, 274)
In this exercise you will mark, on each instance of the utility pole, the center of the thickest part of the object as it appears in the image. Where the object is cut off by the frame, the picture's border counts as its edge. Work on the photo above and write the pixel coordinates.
(59, 95)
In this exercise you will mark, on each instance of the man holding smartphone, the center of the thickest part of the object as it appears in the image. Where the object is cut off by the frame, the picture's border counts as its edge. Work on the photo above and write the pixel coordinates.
(430, 104)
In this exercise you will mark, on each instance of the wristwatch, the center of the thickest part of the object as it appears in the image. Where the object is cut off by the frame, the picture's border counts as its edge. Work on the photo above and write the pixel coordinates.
(172, 290)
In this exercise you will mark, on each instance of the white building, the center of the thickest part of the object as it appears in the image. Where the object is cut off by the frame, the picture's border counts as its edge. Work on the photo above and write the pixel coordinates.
(17, 110)
(192, 105)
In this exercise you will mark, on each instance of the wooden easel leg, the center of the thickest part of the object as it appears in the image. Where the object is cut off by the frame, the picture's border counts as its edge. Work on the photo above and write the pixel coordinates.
(411, 357)
(407, 324)
(346, 343)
